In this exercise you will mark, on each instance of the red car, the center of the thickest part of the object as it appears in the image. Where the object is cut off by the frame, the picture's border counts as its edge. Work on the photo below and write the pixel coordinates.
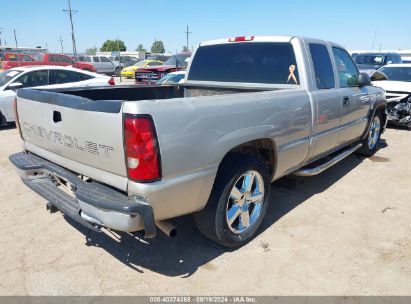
(47, 59)
(14, 59)
(151, 74)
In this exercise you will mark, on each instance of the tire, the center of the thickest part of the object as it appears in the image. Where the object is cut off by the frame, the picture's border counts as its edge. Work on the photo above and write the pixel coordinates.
(3, 121)
(370, 142)
(226, 203)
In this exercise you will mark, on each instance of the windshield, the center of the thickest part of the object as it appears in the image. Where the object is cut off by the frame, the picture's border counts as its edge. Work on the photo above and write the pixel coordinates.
(140, 63)
(369, 59)
(181, 60)
(397, 73)
(171, 78)
(6, 76)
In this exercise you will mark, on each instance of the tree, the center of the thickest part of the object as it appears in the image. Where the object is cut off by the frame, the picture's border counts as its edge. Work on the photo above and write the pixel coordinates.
(91, 51)
(113, 45)
(158, 47)
(140, 48)
(185, 49)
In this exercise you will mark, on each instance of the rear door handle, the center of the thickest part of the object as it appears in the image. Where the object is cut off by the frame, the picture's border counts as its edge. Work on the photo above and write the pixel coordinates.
(346, 100)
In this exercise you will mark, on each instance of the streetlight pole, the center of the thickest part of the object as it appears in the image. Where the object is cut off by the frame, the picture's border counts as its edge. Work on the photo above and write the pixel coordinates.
(71, 13)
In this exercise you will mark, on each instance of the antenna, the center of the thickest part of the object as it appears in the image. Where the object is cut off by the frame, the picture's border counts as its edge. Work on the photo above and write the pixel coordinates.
(187, 33)
(61, 43)
(71, 12)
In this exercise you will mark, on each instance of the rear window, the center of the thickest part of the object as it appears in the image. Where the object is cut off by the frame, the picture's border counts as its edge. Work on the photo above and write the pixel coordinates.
(271, 63)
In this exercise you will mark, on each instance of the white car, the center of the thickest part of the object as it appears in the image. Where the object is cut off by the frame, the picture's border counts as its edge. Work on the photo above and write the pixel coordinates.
(172, 78)
(398, 92)
(42, 77)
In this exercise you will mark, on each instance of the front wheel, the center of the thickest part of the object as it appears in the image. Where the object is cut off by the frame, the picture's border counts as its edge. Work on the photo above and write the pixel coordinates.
(238, 201)
(370, 142)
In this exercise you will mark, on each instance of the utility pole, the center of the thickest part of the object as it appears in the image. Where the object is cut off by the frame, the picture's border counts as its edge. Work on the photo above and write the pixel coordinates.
(61, 43)
(0, 34)
(71, 13)
(17, 47)
(187, 33)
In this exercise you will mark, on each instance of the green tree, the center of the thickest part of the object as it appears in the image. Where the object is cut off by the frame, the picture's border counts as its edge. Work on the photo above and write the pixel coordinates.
(91, 51)
(140, 48)
(113, 45)
(185, 49)
(158, 47)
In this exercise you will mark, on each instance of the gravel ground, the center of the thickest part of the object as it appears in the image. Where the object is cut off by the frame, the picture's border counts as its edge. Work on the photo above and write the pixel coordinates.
(344, 232)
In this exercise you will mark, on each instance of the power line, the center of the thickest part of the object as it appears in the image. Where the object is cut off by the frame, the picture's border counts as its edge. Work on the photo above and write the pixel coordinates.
(187, 33)
(71, 12)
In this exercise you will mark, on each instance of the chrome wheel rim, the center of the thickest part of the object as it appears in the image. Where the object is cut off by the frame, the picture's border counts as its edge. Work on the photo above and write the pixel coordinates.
(374, 132)
(245, 202)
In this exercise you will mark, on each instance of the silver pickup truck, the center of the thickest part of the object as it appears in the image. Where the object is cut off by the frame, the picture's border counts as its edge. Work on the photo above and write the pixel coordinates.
(251, 110)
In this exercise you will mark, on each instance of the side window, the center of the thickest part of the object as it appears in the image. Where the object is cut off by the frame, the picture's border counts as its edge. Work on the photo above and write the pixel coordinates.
(96, 59)
(153, 63)
(27, 58)
(346, 68)
(34, 79)
(62, 76)
(104, 59)
(324, 74)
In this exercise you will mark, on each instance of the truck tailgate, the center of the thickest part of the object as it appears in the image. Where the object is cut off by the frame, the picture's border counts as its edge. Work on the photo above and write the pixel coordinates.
(78, 129)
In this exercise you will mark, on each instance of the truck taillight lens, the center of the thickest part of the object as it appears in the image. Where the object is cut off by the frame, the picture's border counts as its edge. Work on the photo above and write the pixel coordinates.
(141, 149)
(16, 117)
(241, 39)
(111, 81)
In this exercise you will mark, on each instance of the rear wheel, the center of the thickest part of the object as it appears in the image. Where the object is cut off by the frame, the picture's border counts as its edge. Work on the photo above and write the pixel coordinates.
(370, 142)
(3, 121)
(238, 201)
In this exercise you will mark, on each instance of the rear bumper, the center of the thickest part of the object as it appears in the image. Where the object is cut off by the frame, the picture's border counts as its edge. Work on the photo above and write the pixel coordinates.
(89, 203)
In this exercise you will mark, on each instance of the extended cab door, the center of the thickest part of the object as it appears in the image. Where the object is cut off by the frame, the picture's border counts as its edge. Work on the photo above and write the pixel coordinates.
(355, 100)
(327, 105)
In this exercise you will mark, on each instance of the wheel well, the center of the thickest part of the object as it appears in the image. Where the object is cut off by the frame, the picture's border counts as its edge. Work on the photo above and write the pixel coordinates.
(263, 149)
(382, 109)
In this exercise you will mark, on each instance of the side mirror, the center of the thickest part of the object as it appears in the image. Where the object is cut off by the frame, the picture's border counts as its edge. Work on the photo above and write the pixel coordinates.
(364, 80)
(15, 86)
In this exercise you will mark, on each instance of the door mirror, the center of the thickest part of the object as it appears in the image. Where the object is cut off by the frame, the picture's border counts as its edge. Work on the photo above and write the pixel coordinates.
(364, 80)
(15, 86)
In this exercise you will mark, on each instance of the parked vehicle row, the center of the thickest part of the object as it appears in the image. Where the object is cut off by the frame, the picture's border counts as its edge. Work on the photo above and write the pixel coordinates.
(250, 110)
(152, 74)
(130, 72)
(19, 60)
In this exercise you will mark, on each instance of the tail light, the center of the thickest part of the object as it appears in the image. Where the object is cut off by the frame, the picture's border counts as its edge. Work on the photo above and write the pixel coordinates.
(111, 81)
(241, 38)
(16, 117)
(141, 149)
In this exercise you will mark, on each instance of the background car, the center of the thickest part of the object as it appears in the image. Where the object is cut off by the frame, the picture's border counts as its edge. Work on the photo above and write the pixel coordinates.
(129, 72)
(101, 63)
(42, 76)
(173, 78)
(369, 61)
(398, 93)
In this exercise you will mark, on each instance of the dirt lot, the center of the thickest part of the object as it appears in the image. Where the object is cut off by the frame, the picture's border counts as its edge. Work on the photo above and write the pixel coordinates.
(345, 232)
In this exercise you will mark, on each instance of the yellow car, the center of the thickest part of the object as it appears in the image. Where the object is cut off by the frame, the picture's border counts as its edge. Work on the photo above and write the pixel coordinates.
(130, 71)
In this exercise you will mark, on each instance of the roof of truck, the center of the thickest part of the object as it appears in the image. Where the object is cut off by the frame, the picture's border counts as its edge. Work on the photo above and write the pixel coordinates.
(249, 38)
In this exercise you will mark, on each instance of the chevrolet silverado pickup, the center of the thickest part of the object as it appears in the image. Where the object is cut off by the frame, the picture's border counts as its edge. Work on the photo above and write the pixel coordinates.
(251, 110)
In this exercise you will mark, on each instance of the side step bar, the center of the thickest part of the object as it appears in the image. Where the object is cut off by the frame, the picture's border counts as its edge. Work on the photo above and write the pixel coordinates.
(326, 165)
